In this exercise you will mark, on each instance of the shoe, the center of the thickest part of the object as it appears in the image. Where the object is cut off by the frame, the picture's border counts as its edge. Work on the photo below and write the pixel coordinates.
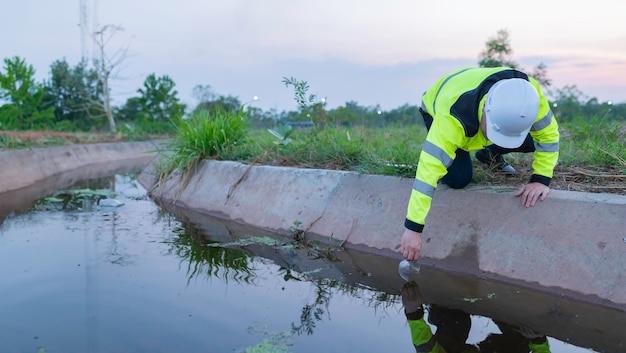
(496, 162)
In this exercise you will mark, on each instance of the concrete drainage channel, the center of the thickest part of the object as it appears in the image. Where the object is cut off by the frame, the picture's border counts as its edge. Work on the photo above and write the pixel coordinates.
(25, 167)
(572, 244)
(29, 174)
(557, 267)
(561, 260)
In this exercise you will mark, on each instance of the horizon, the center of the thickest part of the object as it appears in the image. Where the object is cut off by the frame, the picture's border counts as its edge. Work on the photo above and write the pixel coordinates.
(372, 53)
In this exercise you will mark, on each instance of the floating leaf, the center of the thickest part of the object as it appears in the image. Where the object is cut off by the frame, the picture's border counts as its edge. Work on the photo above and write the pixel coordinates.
(471, 300)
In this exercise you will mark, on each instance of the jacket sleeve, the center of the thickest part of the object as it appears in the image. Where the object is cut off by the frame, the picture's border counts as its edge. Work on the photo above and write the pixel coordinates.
(421, 334)
(438, 153)
(545, 133)
(539, 346)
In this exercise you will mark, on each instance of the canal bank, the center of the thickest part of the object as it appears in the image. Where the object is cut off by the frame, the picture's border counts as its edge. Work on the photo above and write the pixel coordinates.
(228, 200)
(25, 167)
(29, 174)
(572, 244)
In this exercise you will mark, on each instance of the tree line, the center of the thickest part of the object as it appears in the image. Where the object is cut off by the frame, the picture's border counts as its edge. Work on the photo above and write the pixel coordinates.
(73, 98)
(77, 98)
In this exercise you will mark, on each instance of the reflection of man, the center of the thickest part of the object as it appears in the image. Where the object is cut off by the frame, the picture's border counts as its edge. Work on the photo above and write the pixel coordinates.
(453, 328)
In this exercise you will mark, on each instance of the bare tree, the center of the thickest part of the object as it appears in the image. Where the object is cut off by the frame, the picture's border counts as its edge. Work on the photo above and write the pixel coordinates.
(107, 67)
(203, 93)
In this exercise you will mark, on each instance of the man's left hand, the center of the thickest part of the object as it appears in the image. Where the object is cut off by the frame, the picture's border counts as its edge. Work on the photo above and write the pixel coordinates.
(532, 192)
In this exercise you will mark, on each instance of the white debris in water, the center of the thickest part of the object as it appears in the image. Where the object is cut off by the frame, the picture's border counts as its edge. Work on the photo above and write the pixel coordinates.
(110, 203)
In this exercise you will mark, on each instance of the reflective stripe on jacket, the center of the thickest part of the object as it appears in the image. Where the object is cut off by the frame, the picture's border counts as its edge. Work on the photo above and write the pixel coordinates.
(455, 102)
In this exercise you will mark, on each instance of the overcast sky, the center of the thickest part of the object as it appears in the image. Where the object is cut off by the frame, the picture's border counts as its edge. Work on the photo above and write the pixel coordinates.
(384, 52)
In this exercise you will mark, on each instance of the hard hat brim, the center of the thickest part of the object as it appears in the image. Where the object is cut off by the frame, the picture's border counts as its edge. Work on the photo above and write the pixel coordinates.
(502, 140)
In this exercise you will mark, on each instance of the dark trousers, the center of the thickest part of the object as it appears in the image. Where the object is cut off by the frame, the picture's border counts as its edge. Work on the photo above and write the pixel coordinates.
(453, 327)
(460, 171)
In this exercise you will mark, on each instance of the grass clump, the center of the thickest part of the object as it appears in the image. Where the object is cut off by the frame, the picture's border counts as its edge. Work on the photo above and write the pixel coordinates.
(204, 135)
(388, 151)
(595, 143)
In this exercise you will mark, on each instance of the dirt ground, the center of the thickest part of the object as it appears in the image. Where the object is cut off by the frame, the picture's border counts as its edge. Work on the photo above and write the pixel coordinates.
(570, 179)
(576, 178)
(49, 137)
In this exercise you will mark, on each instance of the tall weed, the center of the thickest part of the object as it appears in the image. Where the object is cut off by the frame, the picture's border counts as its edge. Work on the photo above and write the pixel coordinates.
(204, 135)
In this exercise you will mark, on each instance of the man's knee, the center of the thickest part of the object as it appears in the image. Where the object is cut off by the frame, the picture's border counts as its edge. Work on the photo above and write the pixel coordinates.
(457, 181)
(460, 171)
(456, 184)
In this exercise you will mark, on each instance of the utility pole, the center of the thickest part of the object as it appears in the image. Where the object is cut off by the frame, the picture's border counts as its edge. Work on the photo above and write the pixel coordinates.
(88, 16)
(84, 31)
(95, 25)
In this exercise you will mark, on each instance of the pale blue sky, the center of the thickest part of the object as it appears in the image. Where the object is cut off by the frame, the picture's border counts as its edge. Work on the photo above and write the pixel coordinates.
(370, 51)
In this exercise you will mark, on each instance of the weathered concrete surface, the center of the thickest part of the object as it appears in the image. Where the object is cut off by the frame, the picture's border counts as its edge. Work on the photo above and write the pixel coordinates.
(23, 168)
(571, 244)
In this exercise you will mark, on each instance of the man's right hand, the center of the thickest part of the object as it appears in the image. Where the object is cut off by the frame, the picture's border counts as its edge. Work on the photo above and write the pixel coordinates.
(411, 297)
(411, 245)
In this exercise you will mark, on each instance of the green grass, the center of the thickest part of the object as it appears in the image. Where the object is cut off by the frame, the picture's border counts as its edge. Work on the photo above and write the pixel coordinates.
(589, 147)
(204, 135)
(389, 151)
(594, 143)
(589, 143)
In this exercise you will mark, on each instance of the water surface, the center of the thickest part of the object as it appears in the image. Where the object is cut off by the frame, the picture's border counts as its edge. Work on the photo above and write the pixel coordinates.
(100, 267)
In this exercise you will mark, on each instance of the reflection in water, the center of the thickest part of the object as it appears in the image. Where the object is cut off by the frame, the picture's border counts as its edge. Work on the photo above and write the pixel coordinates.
(235, 261)
(81, 275)
(453, 327)
(230, 261)
(204, 260)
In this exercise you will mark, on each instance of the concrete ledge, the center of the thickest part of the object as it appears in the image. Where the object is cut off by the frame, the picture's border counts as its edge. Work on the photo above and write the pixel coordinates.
(572, 243)
(23, 168)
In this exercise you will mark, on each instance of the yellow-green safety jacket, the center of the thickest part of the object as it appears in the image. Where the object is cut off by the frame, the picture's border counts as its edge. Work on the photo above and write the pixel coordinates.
(456, 104)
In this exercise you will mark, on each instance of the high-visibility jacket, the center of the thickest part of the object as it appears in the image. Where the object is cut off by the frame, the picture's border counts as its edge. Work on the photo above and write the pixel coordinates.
(456, 104)
(425, 342)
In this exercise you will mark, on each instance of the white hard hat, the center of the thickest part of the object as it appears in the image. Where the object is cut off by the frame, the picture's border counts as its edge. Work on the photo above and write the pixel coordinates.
(510, 109)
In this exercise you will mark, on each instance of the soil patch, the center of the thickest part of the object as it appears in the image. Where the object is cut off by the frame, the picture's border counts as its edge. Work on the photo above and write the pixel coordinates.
(567, 178)
(9, 139)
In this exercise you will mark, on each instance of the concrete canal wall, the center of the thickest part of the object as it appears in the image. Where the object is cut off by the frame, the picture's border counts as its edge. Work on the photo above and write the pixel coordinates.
(572, 244)
(568, 252)
(25, 167)
(29, 174)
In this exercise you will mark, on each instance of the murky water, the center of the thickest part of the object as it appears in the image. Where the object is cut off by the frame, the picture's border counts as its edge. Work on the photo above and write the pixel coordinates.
(99, 267)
